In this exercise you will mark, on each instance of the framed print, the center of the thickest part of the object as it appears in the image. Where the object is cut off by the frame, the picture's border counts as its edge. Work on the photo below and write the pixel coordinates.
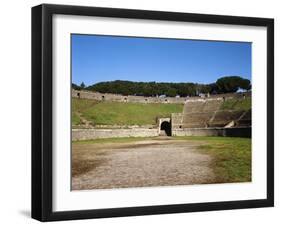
(145, 112)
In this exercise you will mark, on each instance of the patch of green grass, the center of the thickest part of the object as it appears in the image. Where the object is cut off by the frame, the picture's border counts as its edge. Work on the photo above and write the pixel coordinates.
(112, 140)
(75, 119)
(116, 113)
(232, 157)
(80, 105)
(237, 104)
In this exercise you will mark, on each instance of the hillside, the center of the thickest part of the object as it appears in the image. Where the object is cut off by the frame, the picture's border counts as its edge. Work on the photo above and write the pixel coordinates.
(88, 112)
(92, 112)
(228, 84)
(237, 104)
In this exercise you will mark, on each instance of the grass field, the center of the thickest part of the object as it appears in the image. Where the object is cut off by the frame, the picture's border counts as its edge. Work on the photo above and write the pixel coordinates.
(112, 140)
(237, 104)
(231, 156)
(116, 113)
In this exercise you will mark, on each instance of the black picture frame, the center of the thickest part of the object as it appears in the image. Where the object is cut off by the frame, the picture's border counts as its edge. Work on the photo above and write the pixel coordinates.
(42, 111)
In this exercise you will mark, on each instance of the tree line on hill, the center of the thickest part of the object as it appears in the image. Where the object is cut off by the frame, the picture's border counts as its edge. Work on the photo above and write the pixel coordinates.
(227, 84)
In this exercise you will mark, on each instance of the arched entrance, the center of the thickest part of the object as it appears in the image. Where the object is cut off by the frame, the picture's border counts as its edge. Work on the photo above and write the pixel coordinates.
(165, 128)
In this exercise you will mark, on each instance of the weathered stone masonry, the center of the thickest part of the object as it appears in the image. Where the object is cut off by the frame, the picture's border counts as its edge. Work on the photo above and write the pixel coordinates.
(89, 134)
(141, 99)
(200, 117)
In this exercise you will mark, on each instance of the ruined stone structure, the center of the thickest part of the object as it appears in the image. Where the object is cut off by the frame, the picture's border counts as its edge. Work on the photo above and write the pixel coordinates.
(204, 117)
(206, 113)
(142, 99)
(215, 131)
(200, 117)
(89, 134)
(164, 127)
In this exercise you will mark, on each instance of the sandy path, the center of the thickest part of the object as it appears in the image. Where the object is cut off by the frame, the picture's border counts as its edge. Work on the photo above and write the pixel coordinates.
(139, 164)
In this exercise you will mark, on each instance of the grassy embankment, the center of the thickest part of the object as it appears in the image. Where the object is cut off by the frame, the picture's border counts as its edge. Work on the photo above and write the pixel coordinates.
(237, 104)
(116, 113)
(231, 156)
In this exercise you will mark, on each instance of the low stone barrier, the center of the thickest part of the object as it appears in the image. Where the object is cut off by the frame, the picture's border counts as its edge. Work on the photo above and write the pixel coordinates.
(90, 134)
(224, 132)
(142, 99)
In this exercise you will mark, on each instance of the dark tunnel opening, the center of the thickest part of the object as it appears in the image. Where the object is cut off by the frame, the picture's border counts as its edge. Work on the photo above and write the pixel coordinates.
(166, 126)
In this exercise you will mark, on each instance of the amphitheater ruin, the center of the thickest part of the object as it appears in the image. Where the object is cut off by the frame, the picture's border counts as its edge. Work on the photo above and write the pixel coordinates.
(201, 116)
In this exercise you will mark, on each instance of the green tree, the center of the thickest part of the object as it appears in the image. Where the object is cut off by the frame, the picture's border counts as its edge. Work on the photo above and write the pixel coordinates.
(76, 87)
(171, 92)
(231, 84)
(223, 85)
(82, 85)
(245, 84)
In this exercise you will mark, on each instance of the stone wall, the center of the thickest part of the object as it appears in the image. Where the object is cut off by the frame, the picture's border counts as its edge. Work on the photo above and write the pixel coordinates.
(141, 99)
(176, 121)
(224, 132)
(90, 134)
(121, 98)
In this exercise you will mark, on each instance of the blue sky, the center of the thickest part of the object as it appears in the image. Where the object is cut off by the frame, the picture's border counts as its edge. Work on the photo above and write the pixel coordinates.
(98, 58)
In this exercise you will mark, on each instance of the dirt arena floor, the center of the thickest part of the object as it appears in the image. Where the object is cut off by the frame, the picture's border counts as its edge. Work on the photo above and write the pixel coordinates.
(153, 162)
